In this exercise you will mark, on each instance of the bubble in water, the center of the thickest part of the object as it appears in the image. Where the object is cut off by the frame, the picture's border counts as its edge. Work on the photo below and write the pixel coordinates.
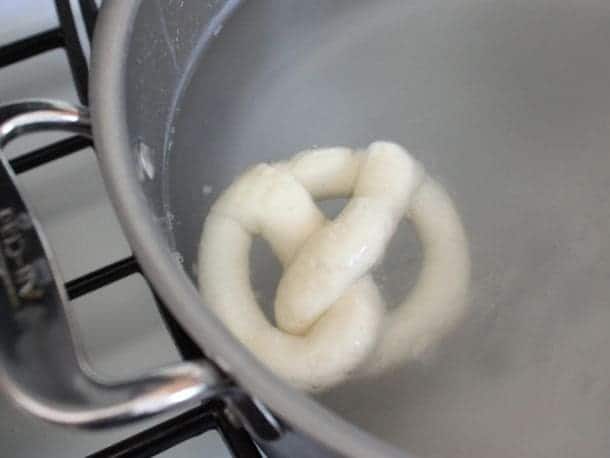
(146, 167)
(170, 220)
(178, 257)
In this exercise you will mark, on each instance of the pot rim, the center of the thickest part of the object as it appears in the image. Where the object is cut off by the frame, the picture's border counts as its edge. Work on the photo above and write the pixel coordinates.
(108, 89)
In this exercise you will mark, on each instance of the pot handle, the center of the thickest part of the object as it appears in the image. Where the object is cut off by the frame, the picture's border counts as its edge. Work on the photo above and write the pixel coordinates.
(42, 368)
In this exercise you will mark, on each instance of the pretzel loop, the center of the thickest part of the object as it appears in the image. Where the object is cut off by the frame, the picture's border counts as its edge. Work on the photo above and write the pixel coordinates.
(331, 319)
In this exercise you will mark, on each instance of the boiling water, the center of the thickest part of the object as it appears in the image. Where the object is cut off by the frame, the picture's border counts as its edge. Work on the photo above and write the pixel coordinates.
(505, 102)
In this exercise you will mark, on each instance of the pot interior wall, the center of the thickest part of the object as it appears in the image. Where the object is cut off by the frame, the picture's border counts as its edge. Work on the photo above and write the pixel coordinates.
(505, 102)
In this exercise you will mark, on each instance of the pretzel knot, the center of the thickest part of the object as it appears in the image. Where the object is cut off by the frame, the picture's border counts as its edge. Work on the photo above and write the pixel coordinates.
(332, 322)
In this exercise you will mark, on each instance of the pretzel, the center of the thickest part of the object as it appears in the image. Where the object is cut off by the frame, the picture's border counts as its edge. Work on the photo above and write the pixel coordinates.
(332, 322)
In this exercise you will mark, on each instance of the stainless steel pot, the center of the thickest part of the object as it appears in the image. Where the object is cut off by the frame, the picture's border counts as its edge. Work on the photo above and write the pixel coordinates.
(506, 101)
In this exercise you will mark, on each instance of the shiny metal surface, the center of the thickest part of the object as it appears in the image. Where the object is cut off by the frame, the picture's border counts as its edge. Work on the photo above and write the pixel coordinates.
(30, 116)
(41, 364)
(506, 102)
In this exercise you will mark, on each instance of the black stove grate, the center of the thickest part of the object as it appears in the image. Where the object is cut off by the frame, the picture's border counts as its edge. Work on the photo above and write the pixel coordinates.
(196, 421)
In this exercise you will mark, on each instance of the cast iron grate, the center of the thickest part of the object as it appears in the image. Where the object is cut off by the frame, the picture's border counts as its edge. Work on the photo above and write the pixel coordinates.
(196, 421)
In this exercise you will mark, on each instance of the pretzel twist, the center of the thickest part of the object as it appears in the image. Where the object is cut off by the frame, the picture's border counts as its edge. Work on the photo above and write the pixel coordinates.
(332, 322)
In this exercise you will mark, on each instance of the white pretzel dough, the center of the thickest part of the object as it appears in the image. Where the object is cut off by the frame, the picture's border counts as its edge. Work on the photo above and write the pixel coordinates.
(331, 318)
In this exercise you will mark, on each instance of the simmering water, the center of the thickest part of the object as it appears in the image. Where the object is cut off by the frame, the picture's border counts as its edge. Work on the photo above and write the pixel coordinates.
(507, 104)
